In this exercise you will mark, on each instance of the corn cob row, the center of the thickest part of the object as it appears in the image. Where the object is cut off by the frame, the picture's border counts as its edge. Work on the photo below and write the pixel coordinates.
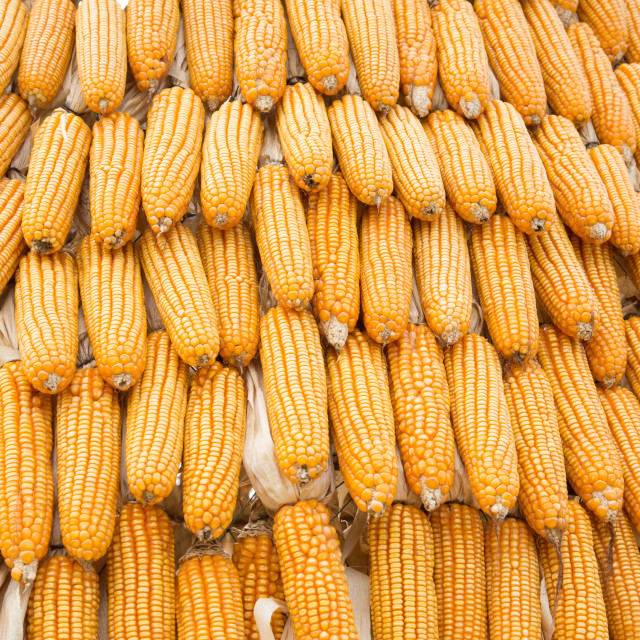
(632, 16)
(628, 76)
(608, 22)
(12, 244)
(13, 29)
(632, 331)
(15, 120)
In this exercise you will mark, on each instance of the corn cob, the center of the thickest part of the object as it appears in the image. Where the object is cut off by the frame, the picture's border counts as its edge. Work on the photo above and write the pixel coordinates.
(632, 330)
(421, 407)
(501, 267)
(115, 163)
(229, 156)
(47, 319)
(333, 236)
(632, 16)
(305, 134)
(482, 427)
(607, 20)
(628, 76)
(462, 60)
(56, 171)
(607, 349)
(580, 195)
(256, 559)
(208, 33)
(459, 574)
(140, 561)
(321, 40)
(591, 460)
(260, 48)
(228, 261)
(362, 427)
(178, 282)
(101, 48)
(113, 306)
(13, 28)
(466, 174)
(12, 244)
(209, 597)
(315, 584)
(512, 56)
(171, 158)
(403, 594)
(360, 149)
(63, 602)
(26, 478)
(282, 236)
(416, 174)
(521, 182)
(612, 117)
(565, 10)
(152, 29)
(564, 79)
(15, 120)
(443, 274)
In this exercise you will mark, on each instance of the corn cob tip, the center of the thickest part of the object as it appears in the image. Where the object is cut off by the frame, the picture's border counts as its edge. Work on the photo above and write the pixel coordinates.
(627, 154)
(263, 103)
(420, 101)
(431, 498)
(330, 84)
(480, 213)
(471, 109)
(537, 225)
(535, 121)
(164, 224)
(564, 15)
(600, 498)
(149, 497)
(24, 572)
(584, 330)
(103, 105)
(42, 246)
(598, 231)
(498, 511)
(213, 104)
(335, 331)
(123, 381)
(115, 241)
(52, 382)
(450, 336)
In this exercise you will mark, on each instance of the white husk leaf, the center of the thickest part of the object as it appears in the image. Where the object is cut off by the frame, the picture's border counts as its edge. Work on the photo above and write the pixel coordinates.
(137, 103)
(14, 609)
(72, 89)
(547, 618)
(439, 101)
(20, 161)
(85, 351)
(352, 86)
(416, 316)
(588, 134)
(154, 321)
(271, 151)
(461, 488)
(494, 91)
(8, 332)
(403, 491)
(294, 64)
(359, 594)
(179, 69)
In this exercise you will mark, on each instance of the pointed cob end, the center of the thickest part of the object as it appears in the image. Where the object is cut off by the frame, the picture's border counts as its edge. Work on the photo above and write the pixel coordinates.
(221, 220)
(335, 331)
(122, 381)
(52, 382)
(164, 224)
(564, 15)
(330, 84)
(499, 511)
(420, 101)
(450, 336)
(213, 104)
(42, 246)
(263, 103)
(103, 105)
(114, 241)
(598, 231)
(480, 214)
(148, 497)
(471, 109)
(627, 155)
(431, 211)
(585, 330)
(431, 498)
(537, 225)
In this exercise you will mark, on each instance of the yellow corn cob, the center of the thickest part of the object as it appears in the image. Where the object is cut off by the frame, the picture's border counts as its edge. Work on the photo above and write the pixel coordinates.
(47, 50)
(101, 48)
(591, 460)
(115, 163)
(88, 453)
(260, 48)
(56, 171)
(315, 584)
(564, 79)
(362, 425)
(156, 408)
(481, 424)
(580, 195)
(466, 174)
(64, 601)
(47, 319)
(282, 236)
(321, 40)
(501, 268)
(213, 441)
(208, 33)
(607, 349)
(416, 174)
(403, 594)
(13, 28)
(607, 19)
(581, 591)
(229, 156)
(459, 574)
(12, 244)
(520, 178)
(421, 407)
(443, 274)
(15, 120)
(512, 56)
(256, 560)
(178, 282)
(228, 261)
(26, 478)
(294, 376)
(333, 236)
(152, 29)
(371, 31)
(632, 16)
(140, 561)
(305, 134)
(385, 272)
(171, 158)
(113, 306)
(632, 330)
(360, 149)
(628, 76)
(462, 60)
(612, 117)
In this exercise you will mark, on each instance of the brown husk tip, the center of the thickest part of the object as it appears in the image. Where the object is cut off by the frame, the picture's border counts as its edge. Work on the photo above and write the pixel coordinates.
(554, 536)
(204, 548)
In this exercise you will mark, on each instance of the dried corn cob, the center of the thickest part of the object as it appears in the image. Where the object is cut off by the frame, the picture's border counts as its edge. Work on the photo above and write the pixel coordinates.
(13, 28)
(101, 47)
(178, 282)
(565, 10)
(632, 15)
(47, 319)
(632, 330)
(628, 76)
(443, 274)
(12, 244)
(115, 163)
(56, 171)
(591, 460)
(462, 60)
(421, 407)
(15, 120)
(608, 22)
(213, 441)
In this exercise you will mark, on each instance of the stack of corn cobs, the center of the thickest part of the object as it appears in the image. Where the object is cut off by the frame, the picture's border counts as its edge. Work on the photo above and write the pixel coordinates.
(266, 269)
